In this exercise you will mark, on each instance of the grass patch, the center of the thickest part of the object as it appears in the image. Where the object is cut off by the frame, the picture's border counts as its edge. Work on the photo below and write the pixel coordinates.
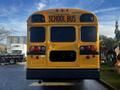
(109, 75)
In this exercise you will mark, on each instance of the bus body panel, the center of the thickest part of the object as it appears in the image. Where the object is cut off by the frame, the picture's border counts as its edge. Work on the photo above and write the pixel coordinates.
(46, 66)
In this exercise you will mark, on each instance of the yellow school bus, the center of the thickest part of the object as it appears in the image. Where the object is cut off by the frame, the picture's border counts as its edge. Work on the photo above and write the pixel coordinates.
(62, 44)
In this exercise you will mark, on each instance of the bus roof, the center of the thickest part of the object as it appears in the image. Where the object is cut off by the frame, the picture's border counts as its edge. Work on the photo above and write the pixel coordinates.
(62, 11)
(72, 10)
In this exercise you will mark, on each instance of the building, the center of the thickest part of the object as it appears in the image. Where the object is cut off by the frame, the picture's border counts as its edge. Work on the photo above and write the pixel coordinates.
(2, 49)
(15, 40)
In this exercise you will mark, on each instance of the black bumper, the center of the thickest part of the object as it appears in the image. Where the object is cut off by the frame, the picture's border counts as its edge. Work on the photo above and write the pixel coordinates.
(63, 74)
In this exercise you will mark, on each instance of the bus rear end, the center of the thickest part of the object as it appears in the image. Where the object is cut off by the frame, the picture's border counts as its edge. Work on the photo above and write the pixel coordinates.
(62, 47)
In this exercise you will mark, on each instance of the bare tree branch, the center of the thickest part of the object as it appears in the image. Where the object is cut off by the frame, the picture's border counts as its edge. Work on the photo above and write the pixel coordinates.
(4, 33)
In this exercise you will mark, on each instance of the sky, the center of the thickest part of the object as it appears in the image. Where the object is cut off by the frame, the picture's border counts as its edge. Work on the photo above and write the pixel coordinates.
(14, 13)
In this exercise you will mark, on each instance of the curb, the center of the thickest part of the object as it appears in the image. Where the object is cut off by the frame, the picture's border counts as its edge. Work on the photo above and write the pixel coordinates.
(21, 63)
(106, 84)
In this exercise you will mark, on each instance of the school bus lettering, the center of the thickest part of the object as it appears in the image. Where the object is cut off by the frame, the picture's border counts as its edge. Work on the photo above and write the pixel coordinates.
(62, 18)
(71, 19)
(59, 18)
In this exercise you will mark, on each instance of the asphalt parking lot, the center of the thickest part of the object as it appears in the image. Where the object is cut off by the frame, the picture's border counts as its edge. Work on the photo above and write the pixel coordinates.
(13, 77)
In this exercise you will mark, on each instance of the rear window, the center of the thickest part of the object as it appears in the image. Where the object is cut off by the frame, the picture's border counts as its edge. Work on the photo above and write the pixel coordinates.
(87, 18)
(62, 34)
(37, 34)
(88, 34)
(37, 18)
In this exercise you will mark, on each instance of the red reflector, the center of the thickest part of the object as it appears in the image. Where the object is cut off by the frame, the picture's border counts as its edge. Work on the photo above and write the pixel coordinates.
(87, 57)
(37, 57)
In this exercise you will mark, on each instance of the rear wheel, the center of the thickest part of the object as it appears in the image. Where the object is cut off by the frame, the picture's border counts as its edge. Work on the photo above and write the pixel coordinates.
(40, 81)
(12, 61)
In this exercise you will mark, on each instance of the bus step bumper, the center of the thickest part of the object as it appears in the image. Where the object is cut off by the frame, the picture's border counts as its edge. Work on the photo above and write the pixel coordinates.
(63, 74)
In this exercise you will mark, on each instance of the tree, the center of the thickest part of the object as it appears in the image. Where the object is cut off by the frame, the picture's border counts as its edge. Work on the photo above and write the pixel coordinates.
(107, 46)
(108, 43)
(4, 33)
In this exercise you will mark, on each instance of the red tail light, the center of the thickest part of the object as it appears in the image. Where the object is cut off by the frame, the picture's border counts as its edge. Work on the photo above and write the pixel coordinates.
(37, 50)
(92, 48)
(88, 49)
(34, 48)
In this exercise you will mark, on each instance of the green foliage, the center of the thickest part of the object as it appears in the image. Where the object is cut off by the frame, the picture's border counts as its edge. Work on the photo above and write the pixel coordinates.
(118, 35)
(109, 75)
(107, 42)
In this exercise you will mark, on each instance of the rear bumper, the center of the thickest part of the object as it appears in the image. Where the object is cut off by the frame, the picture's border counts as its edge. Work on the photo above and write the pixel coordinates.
(63, 74)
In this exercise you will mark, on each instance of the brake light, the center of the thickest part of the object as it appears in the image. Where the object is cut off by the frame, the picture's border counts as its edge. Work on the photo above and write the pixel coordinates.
(34, 49)
(92, 48)
(37, 50)
(88, 49)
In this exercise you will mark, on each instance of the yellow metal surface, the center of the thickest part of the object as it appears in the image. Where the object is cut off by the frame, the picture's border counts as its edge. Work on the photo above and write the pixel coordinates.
(81, 61)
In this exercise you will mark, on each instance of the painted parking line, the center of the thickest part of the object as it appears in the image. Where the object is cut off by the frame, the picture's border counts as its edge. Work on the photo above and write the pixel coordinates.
(51, 84)
(21, 63)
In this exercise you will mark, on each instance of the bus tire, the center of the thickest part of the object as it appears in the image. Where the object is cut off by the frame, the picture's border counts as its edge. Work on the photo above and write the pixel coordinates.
(40, 81)
(12, 61)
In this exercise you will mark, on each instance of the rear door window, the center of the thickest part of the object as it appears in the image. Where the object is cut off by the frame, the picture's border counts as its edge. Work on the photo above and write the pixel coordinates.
(63, 34)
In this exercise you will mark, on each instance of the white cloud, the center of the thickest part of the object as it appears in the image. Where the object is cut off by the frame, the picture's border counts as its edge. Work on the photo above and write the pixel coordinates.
(100, 1)
(8, 11)
(16, 27)
(12, 22)
(108, 18)
(41, 5)
(107, 29)
(44, 1)
(106, 9)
